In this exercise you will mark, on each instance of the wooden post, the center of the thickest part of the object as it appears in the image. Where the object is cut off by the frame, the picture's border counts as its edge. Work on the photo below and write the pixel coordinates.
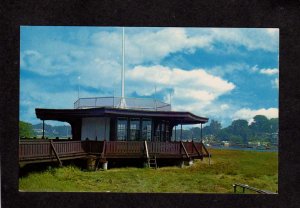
(56, 155)
(146, 149)
(181, 132)
(43, 129)
(147, 154)
(103, 149)
(183, 147)
(196, 149)
(175, 134)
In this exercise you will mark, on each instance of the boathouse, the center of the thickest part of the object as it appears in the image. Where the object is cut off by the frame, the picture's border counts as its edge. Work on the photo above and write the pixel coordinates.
(103, 131)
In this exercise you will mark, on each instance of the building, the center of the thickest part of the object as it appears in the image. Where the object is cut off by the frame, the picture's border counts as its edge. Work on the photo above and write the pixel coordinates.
(102, 131)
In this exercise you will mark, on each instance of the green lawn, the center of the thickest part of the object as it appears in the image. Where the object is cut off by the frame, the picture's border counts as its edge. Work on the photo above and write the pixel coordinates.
(257, 169)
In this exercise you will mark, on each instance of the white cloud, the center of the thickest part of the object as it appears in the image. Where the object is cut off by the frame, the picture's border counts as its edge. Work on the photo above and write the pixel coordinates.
(224, 106)
(144, 46)
(193, 90)
(269, 71)
(252, 39)
(248, 114)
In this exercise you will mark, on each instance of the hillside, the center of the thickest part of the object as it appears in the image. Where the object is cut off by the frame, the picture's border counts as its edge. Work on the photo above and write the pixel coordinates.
(52, 131)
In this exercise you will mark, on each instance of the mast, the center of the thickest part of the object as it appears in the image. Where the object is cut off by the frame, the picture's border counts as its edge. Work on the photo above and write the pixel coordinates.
(122, 100)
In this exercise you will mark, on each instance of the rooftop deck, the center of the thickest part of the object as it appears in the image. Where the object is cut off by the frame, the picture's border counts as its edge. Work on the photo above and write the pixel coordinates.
(114, 102)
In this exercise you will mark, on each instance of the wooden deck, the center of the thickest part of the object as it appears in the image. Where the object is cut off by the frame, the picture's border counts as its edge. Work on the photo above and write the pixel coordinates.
(37, 151)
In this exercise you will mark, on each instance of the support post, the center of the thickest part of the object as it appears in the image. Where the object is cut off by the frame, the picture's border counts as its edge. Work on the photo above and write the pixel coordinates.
(181, 132)
(146, 149)
(201, 132)
(56, 155)
(103, 149)
(105, 129)
(104, 165)
(181, 163)
(43, 129)
(175, 134)
(91, 163)
(194, 146)
(184, 149)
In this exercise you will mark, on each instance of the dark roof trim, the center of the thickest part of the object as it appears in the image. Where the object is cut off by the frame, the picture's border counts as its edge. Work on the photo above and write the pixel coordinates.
(69, 114)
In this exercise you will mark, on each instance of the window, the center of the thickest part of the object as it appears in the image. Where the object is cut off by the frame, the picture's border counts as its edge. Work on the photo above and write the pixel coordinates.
(162, 131)
(146, 129)
(122, 129)
(134, 129)
(167, 137)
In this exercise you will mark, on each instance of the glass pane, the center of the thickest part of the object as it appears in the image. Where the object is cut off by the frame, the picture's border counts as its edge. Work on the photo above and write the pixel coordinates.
(146, 129)
(122, 129)
(134, 129)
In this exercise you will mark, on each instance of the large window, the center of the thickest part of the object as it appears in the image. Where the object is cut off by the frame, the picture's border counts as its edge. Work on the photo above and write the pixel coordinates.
(162, 131)
(134, 129)
(146, 129)
(122, 129)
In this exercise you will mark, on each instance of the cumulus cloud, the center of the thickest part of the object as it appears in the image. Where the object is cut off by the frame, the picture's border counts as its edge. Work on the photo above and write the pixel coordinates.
(269, 71)
(248, 114)
(145, 46)
(192, 90)
(141, 46)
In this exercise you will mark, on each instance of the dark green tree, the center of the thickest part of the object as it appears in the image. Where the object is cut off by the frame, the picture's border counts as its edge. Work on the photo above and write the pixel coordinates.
(213, 128)
(260, 124)
(273, 125)
(240, 129)
(25, 129)
(224, 134)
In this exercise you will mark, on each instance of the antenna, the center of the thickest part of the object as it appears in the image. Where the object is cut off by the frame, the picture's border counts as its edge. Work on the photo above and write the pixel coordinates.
(122, 100)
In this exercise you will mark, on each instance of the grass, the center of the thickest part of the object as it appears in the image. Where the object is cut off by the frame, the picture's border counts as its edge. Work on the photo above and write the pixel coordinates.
(257, 169)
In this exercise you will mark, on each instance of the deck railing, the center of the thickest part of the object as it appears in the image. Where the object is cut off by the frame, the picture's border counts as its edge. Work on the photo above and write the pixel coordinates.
(114, 102)
(43, 149)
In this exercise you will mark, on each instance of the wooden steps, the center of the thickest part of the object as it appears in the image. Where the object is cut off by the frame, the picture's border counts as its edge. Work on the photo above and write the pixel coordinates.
(152, 163)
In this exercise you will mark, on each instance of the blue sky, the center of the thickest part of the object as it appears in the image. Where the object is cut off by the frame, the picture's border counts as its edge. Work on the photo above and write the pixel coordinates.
(220, 73)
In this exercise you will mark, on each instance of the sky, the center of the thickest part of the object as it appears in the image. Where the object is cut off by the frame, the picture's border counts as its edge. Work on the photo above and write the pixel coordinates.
(220, 73)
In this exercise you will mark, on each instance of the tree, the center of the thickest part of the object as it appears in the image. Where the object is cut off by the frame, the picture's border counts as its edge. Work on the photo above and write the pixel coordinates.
(240, 129)
(224, 135)
(25, 129)
(213, 128)
(260, 124)
(273, 125)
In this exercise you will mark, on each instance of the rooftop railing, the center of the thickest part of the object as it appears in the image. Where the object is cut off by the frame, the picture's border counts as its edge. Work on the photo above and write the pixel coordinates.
(114, 102)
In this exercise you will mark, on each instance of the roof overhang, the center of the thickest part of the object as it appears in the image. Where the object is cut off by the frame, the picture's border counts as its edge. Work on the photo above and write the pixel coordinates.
(67, 115)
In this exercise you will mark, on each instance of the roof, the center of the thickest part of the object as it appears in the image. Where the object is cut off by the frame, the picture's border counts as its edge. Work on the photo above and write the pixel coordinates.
(65, 115)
